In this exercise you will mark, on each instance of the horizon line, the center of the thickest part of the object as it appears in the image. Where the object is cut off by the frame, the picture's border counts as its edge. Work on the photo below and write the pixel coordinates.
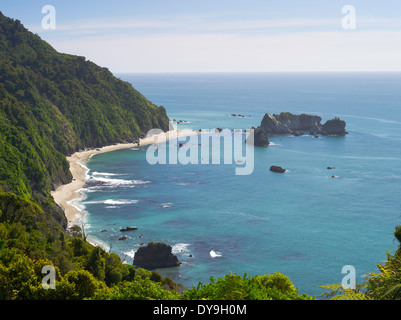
(260, 72)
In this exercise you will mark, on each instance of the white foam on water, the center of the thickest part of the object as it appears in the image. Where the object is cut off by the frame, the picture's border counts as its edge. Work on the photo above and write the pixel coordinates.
(106, 174)
(97, 242)
(85, 168)
(79, 206)
(166, 205)
(90, 189)
(180, 247)
(130, 253)
(113, 201)
(114, 182)
(215, 254)
(122, 201)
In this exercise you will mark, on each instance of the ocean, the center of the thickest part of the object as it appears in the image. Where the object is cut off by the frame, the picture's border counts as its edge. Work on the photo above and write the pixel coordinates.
(303, 223)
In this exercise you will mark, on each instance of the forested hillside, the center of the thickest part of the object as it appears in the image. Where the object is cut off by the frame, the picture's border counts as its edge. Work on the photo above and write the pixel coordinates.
(53, 104)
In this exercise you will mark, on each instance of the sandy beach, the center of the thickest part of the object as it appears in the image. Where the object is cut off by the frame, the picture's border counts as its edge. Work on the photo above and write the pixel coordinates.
(69, 192)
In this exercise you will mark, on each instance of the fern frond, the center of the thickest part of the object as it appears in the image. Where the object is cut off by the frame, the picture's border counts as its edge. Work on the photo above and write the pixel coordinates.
(394, 292)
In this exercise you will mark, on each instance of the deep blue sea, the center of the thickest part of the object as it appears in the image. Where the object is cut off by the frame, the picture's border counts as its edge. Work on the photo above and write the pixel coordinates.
(303, 223)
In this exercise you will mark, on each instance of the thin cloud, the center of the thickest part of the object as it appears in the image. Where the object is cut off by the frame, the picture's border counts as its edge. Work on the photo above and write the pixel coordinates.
(302, 51)
(203, 24)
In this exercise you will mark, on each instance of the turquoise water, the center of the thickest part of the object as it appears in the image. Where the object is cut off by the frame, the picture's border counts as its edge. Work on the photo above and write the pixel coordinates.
(303, 223)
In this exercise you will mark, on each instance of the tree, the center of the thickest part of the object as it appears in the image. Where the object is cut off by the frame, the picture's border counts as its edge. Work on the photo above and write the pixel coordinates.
(85, 284)
(96, 263)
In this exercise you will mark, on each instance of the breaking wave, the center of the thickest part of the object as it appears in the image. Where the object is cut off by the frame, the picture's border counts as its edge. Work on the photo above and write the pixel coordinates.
(113, 201)
(116, 182)
(215, 254)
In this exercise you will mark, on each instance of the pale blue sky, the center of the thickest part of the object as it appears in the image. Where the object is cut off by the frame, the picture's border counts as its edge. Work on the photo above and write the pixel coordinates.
(221, 35)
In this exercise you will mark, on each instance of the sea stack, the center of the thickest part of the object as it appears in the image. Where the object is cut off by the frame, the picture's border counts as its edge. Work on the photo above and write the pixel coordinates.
(259, 138)
(155, 255)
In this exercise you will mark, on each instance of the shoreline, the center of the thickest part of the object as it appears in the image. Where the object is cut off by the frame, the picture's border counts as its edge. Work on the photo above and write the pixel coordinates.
(67, 193)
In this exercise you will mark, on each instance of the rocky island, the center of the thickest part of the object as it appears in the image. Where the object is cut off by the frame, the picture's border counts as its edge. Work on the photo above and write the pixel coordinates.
(297, 125)
(288, 123)
(155, 255)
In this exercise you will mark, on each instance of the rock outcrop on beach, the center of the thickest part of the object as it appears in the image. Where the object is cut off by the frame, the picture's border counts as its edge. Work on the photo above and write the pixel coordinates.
(288, 123)
(155, 255)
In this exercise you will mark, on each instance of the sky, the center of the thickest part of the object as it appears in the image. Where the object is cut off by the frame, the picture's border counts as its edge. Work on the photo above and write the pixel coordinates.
(221, 35)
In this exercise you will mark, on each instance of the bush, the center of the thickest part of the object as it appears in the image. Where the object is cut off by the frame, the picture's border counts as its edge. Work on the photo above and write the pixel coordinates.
(234, 287)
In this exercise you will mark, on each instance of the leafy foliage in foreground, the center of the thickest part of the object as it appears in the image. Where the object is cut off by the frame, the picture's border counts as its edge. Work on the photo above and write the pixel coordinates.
(233, 287)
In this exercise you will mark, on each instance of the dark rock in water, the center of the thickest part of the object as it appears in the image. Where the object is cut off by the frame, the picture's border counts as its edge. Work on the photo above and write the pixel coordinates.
(122, 238)
(288, 123)
(298, 133)
(155, 255)
(259, 138)
(128, 229)
(94, 183)
(330, 168)
(277, 169)
(334, 127)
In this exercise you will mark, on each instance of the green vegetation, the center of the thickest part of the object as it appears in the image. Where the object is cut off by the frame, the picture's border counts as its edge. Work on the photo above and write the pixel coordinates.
(284, 115)
(233, 287)
(51, 105)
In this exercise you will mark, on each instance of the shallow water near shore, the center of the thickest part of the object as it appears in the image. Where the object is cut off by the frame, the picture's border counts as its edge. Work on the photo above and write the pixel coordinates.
(303, 223)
